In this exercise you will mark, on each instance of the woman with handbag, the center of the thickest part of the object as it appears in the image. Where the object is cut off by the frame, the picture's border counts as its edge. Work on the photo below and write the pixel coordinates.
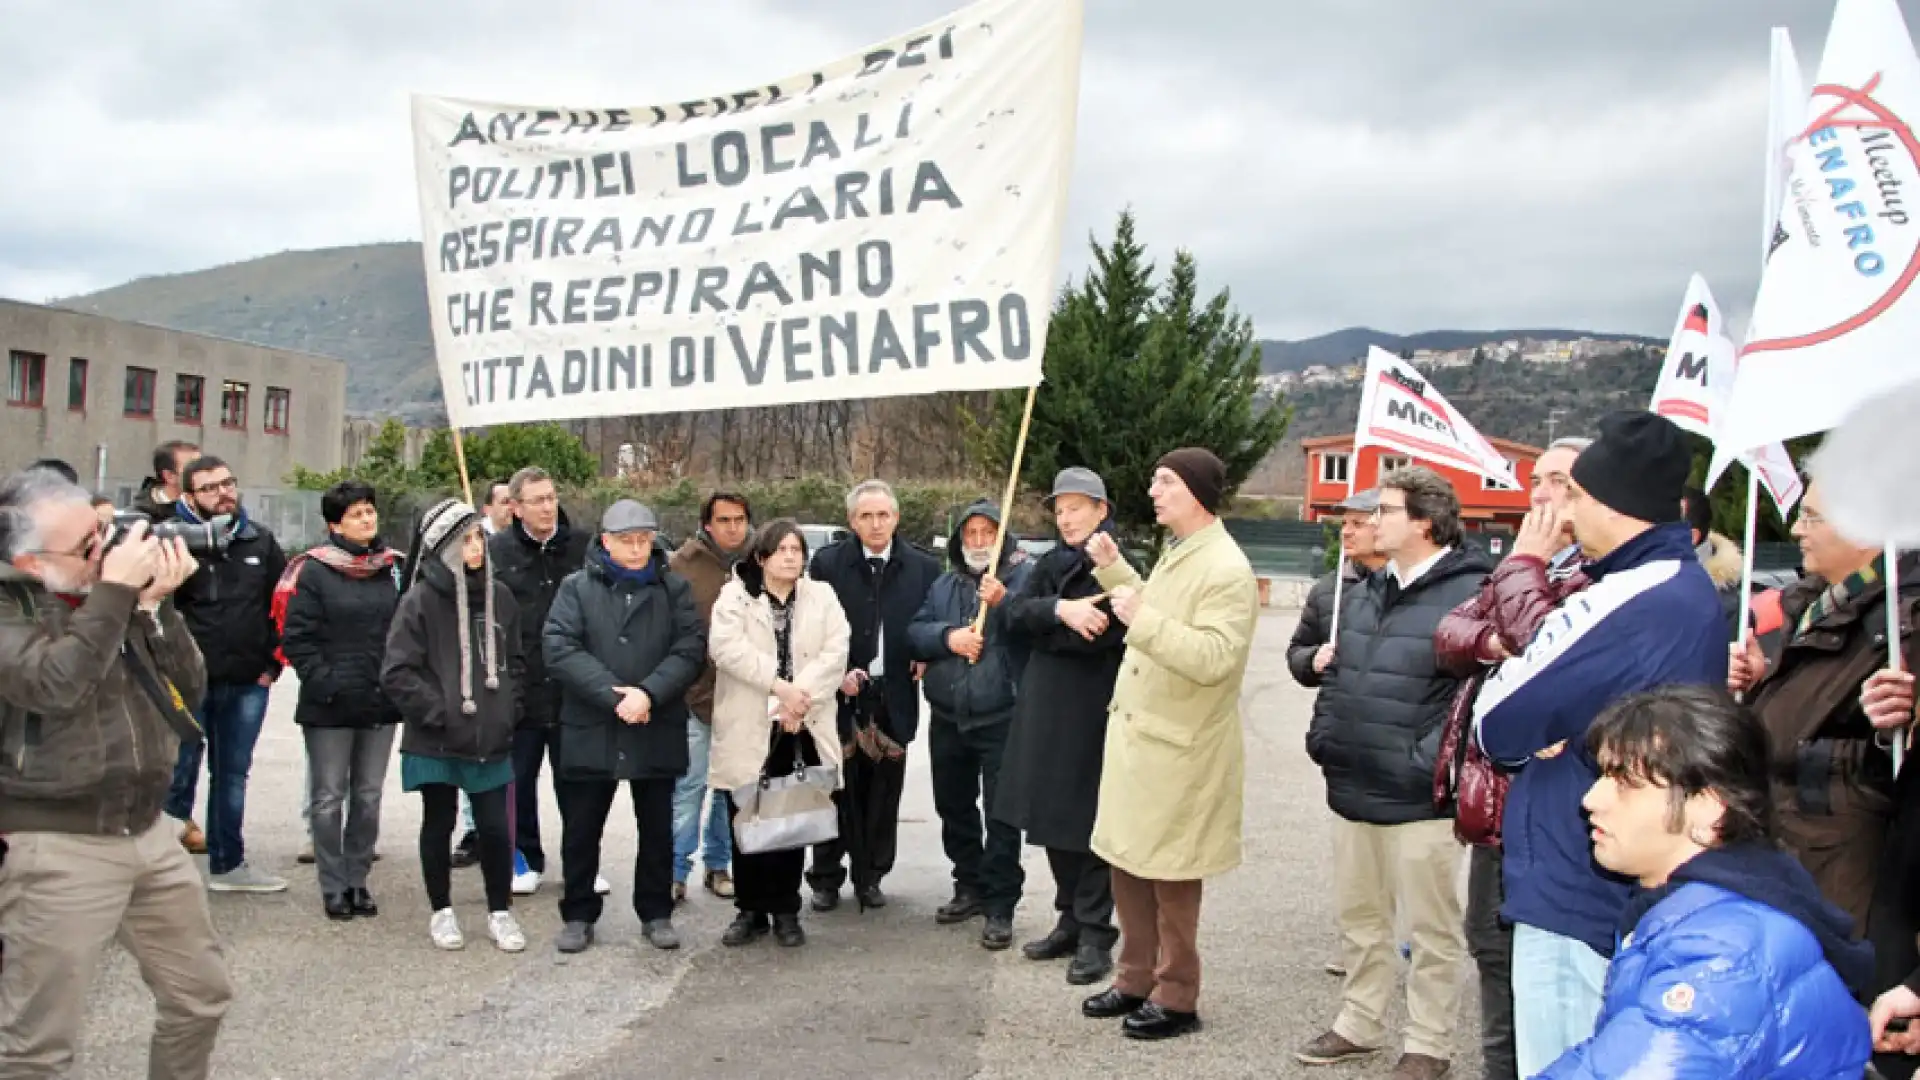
(779, 645)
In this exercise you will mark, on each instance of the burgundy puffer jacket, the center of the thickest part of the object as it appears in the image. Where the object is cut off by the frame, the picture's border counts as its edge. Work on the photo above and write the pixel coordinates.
(1515, 599)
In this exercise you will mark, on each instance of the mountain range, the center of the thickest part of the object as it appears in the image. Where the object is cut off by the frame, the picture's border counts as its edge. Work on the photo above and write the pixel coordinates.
(367, 305)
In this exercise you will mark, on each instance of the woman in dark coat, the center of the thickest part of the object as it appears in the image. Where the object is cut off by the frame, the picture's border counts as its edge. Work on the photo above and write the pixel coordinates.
(334, 605)
(454, 669)
(1050, 778)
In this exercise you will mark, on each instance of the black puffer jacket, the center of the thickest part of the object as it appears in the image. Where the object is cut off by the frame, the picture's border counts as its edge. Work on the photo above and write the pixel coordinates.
(1316, 622)
(964, 692)
(228, 604)
(422, 671)
(533, 571)
(336, 640)
(606, 629)
(1376, 734)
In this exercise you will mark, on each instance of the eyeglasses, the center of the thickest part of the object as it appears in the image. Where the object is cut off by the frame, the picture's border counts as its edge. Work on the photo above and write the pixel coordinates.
(1812, 519)
(542, 500)
(87, 547)
(1384, 509)
(229, 484)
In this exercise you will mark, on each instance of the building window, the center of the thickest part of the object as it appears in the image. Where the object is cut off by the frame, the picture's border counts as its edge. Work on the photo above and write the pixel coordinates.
(1390, 462)
(26, 379)
(140, 384)
(233, 405)
(1335, 468)
(189, 399)
(279, 404)
(77, 384)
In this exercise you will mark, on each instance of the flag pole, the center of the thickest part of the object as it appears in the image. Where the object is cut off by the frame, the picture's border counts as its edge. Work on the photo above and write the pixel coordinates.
(1340, 567)
(1745, 632)
(1006, 504)
(1893, 645)
(460, 459)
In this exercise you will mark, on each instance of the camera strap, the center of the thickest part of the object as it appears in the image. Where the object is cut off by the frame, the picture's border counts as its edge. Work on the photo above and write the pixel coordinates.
(165, 698)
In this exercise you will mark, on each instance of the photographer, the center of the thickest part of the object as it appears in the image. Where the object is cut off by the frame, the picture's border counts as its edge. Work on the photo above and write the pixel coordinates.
(94, 667)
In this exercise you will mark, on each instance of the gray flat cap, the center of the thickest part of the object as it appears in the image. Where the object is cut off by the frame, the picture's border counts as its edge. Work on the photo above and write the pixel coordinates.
(1365, 502)
(628, 516)
(1078, 481)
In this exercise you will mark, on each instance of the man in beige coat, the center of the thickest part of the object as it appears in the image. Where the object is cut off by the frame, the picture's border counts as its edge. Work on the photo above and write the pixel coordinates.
(1171, 784)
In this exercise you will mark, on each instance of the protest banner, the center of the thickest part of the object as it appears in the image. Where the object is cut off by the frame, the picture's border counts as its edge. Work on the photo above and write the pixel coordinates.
(1835, 319)
(1401, 410)
(888, 224)
(1695, 379)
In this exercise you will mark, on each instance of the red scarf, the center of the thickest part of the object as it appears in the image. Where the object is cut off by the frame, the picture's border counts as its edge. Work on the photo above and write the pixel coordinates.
(360, 567)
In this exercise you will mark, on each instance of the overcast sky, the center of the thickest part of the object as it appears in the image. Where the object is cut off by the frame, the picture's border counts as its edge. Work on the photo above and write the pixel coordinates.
(1404, 164)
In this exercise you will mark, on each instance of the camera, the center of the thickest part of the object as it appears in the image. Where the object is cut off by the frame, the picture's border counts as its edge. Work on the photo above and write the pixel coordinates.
(204, 539)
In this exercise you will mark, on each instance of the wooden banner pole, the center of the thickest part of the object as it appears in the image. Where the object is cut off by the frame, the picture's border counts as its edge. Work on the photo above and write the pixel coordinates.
(460, 459)
(1006, 504)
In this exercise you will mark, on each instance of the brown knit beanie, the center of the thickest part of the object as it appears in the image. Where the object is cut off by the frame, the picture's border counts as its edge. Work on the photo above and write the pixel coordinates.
(1201, 471)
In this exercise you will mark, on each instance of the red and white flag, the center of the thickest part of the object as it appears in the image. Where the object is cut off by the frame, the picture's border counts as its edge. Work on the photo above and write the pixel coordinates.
(1401, 410)
(1837, 317)
(1695, 379)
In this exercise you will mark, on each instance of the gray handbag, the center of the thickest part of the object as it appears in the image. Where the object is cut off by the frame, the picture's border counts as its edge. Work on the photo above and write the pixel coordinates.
(780, 813)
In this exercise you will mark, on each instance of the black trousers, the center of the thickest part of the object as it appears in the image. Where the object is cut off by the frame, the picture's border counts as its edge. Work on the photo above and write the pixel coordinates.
(769, 883)
(1083, 895)
(869, 806)
(531, 746)
(1491, 943)
(985, 854)
(439, 812)
(584, 806)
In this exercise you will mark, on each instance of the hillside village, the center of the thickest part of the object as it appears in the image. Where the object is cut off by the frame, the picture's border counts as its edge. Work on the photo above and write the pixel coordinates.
(1524, 350)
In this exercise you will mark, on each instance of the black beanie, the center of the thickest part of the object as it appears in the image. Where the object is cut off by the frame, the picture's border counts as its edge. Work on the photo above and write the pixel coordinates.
(1202, 472)
(1637, 467)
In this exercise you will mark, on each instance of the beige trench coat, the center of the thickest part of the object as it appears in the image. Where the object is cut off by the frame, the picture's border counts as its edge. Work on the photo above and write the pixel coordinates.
(1170, 789)
(745, 665)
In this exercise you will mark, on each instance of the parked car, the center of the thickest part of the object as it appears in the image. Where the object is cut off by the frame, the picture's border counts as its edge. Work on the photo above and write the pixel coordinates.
(819, 536)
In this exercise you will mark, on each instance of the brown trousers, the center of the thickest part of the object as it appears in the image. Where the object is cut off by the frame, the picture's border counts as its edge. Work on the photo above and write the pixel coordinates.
(63, 898)
(1159, 940)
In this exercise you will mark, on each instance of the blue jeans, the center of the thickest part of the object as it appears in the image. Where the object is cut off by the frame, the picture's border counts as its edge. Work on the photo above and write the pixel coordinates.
(1559, 986)
(688, 796)
(232, 715)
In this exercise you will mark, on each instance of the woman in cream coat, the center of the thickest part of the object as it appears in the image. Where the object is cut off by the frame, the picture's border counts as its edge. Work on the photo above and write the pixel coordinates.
(779, 645)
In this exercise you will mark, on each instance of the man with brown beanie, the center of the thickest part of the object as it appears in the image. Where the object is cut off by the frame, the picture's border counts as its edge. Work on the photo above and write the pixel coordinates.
(1650, 619)
(1171, 783)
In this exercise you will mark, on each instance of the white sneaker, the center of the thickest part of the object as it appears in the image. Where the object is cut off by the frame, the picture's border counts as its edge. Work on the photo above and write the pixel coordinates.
(601, 885)
(506, 932)
(245, 879)
(445, 929)
(526, 884)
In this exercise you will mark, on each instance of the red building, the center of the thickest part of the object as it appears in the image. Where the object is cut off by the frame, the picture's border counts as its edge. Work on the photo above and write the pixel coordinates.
(1484, 506)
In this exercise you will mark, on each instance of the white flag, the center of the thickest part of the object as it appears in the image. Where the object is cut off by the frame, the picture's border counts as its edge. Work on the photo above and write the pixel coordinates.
(1696, 377)
(1786, 112)
(1401, 410)
(887, 224)
(1834, 324)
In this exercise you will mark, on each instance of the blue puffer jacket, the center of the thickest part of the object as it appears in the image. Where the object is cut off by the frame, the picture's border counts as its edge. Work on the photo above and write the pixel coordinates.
(1737, 969)
(966, 693)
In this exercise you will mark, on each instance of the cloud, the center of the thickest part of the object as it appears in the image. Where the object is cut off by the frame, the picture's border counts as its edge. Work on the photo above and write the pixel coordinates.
(1398, 163)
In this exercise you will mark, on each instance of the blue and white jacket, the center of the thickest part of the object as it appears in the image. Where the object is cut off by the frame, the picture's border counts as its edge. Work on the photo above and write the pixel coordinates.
(1736, 969)
(1652, 618)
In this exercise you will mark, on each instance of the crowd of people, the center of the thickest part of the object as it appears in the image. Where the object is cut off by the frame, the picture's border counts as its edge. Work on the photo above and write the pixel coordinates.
(1686, 856)
(1662, 881)
(1072, 703)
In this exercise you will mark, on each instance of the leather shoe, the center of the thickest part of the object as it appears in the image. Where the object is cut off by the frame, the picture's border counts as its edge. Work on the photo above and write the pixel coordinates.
(1057, 945)
(962, 907)
(339, 906)
(787, 931)
(997, 934)
(826, 899)
(362, 901)
(744, 930)
(1091, 963)
(872, 897)
(1110, 1004)
(1152, 1021)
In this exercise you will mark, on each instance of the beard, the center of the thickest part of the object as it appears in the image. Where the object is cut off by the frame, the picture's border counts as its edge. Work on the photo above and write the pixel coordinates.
(976, 558)
(59, 580)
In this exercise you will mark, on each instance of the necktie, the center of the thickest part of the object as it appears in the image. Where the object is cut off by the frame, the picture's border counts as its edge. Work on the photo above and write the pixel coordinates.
(878, 566)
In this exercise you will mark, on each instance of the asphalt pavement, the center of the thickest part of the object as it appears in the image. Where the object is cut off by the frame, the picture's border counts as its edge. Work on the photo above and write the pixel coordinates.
(884, 993)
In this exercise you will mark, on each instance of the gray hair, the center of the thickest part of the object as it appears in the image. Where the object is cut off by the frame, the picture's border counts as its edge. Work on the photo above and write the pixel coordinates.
(22, 496)
(871, 487)
(532, 474)
(1576, 443)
